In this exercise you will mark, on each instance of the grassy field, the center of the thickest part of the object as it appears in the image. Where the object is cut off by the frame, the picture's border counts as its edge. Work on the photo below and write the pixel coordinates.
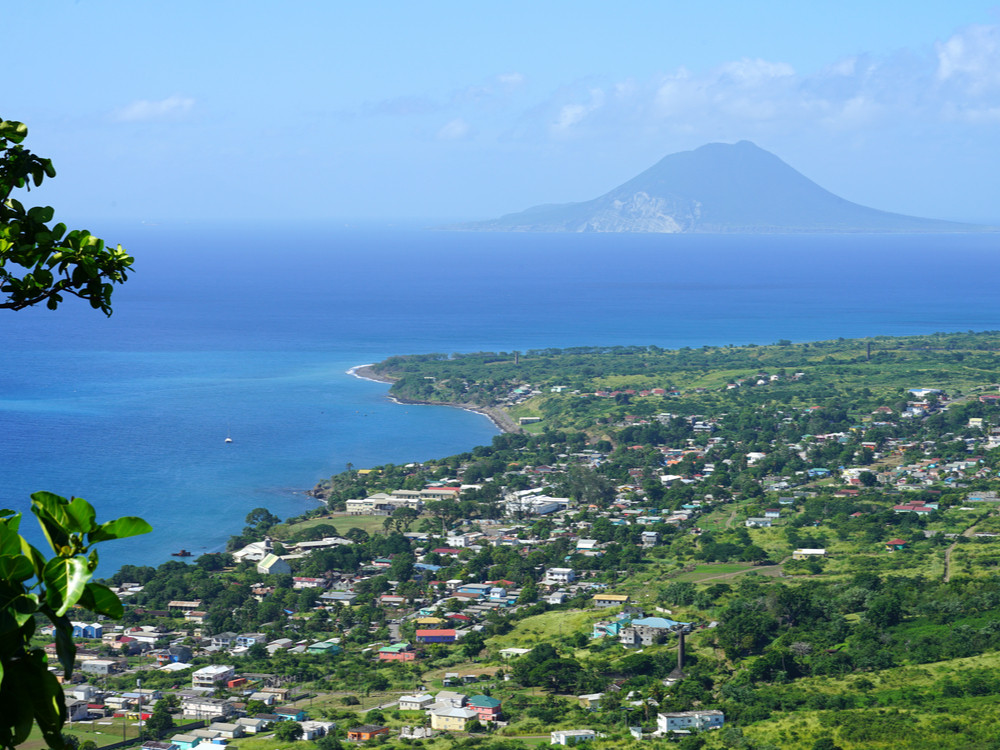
(546, 627)
(341, 521)
(713, 570)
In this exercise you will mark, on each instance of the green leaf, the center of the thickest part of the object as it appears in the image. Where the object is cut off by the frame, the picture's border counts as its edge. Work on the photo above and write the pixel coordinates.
(65, 646)
(119, 529)
(65, 579)
(80, 515)
(50, 509)
(46, 694)
(100, 599)
(18, 712)
(15, 568)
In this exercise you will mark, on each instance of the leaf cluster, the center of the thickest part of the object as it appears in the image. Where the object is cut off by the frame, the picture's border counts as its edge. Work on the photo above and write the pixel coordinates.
(42, 263)
(32, 585)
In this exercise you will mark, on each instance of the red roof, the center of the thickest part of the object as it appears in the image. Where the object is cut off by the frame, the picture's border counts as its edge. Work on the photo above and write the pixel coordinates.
(896, 541)
(465, 618)
(446, 551)
(426, 633)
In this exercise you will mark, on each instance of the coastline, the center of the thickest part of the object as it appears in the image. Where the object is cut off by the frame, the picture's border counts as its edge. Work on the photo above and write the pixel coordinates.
(500, 419)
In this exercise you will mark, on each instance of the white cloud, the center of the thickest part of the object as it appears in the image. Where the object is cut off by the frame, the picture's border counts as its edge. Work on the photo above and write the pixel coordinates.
(572, 114)
(972, 54)
(144, 110)
(757, 72)
(455, 130)
(510, 79)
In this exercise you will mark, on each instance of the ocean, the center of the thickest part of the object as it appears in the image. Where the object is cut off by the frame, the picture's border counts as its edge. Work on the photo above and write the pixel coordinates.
(250, 330)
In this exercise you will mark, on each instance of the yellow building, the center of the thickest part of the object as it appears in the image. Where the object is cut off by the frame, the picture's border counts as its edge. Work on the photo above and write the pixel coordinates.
(453, 719)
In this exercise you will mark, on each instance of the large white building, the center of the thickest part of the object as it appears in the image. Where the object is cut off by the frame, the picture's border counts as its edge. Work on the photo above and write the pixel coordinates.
(212, 675)
(571, 736)
(560, 575)
(688, 720)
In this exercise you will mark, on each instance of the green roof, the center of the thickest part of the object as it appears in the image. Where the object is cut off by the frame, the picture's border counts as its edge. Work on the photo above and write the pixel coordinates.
(395, 648)
(483, 701)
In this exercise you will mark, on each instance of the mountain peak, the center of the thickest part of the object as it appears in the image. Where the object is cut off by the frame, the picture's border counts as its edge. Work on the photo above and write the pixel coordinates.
(718, 187)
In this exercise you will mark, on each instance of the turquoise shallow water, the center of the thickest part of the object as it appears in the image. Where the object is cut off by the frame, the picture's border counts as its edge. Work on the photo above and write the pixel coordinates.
(253, 331)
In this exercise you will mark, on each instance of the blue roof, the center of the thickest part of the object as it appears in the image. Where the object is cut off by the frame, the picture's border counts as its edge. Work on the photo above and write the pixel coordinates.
(658, 622)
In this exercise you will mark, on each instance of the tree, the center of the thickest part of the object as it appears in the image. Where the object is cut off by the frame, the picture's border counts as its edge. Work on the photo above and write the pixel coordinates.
(288, 731)
(160, 721)
(472, 644)
(30, 584)
(39, 263)
(260, 521)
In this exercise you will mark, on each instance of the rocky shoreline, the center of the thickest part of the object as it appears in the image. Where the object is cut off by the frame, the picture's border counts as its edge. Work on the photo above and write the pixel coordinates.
(501, 419)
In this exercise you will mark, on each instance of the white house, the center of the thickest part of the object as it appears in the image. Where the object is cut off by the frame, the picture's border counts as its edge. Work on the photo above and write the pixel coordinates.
(560, 575)
(687, 720)
(211, 675)
(572, 736)
(415, 702)
(274, 565)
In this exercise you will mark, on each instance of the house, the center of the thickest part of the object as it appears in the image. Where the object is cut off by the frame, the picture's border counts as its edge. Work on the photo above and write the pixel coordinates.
(808, 554)
(184, 741)
(290, 714)
(253, 552)
(758, 523)
(397, 652)
(610, 600)
(572, 736)
(100, 666)
(212, 675)
(251, 725)
(453, 719)
(366, 732)
(224, 640)
(246, 640)
(772, 513)
(488, 708)
(649, 630)
(436, 636)
(559, 575)
(895, 544)
(415, 702)
(76, 710)
(272, 565)
(688, 720)
(88, 630)
(227, 731)
(591, 701)
(200, 707)
(313, 730)
(447, 699)
(324, 647)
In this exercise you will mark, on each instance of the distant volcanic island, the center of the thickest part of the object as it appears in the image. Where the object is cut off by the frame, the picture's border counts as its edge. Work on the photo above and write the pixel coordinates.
(718, 188)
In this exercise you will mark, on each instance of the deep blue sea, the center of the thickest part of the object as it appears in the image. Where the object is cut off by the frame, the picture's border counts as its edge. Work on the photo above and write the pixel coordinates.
(250, 330)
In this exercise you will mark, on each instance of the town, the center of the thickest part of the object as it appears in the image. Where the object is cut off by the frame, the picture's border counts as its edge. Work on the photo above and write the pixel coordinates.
(731, 557)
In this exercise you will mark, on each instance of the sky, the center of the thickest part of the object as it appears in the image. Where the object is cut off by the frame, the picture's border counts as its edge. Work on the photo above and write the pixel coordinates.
(386, 111)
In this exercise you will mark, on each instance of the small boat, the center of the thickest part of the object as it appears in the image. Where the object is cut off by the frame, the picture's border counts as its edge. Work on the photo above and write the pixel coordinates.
(182, 553)
(229, 438)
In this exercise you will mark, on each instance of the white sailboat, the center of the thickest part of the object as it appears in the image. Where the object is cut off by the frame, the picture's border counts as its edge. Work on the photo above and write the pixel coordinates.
(229, 438)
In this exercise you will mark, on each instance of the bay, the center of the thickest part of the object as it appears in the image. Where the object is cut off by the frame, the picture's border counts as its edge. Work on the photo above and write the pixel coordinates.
(250, 330)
